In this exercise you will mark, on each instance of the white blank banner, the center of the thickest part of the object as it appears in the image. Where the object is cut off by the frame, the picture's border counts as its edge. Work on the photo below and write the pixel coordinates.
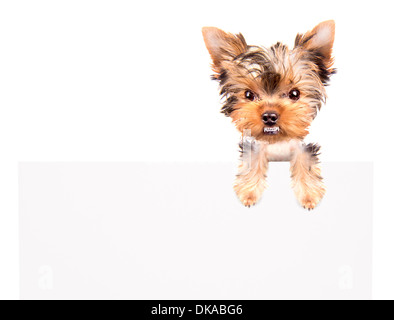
(177, 231)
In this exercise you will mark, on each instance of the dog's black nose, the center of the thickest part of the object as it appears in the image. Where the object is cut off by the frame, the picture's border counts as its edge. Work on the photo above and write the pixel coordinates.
(270, 118)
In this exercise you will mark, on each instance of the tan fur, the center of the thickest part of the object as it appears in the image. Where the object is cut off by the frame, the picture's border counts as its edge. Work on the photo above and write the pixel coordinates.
(248, 116)
(306, 180)
(251, 178)
(305, 172)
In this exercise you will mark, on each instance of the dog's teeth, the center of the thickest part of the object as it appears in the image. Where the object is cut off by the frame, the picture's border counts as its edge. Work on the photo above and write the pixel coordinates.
(268, 129)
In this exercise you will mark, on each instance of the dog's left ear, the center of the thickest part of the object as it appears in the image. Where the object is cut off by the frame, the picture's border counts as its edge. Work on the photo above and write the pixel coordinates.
(320, 40)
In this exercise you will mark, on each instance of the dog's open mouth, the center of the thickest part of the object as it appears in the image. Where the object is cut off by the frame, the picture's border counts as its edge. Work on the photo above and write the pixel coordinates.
(271, 130)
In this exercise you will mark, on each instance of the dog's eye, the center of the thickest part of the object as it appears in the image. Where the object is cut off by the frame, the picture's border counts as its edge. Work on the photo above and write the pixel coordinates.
(249, 95)
(294, 94)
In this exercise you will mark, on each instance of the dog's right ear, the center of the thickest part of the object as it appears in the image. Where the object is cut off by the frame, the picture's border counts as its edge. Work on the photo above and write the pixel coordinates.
(223, 46)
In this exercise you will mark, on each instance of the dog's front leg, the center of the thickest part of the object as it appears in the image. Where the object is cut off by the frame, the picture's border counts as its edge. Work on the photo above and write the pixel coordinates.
(251, 178)
(305, 172)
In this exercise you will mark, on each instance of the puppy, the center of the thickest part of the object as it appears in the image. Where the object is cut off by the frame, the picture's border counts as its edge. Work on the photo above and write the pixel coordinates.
(272, 95)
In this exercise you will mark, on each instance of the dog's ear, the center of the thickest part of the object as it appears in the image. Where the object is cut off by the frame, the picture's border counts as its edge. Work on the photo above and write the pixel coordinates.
(318, 44)
(223, 46)
(320, 40)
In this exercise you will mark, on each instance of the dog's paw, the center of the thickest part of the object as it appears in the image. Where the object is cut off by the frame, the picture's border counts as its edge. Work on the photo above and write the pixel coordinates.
(310, 194)
(248, 197)
(249, 201)
(309, 203)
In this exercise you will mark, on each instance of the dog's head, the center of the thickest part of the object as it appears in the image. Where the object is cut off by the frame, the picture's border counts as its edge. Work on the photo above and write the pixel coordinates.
(276, 92)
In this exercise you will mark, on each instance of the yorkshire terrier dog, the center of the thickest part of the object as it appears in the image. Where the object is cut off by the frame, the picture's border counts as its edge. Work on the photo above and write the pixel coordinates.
(272, 95)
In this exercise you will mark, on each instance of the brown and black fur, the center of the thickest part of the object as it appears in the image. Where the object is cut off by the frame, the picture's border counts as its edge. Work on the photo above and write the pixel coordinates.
(280, 84)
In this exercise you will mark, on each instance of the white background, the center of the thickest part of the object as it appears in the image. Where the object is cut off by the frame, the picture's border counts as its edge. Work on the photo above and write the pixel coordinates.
(124, 81)
(109, 240)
